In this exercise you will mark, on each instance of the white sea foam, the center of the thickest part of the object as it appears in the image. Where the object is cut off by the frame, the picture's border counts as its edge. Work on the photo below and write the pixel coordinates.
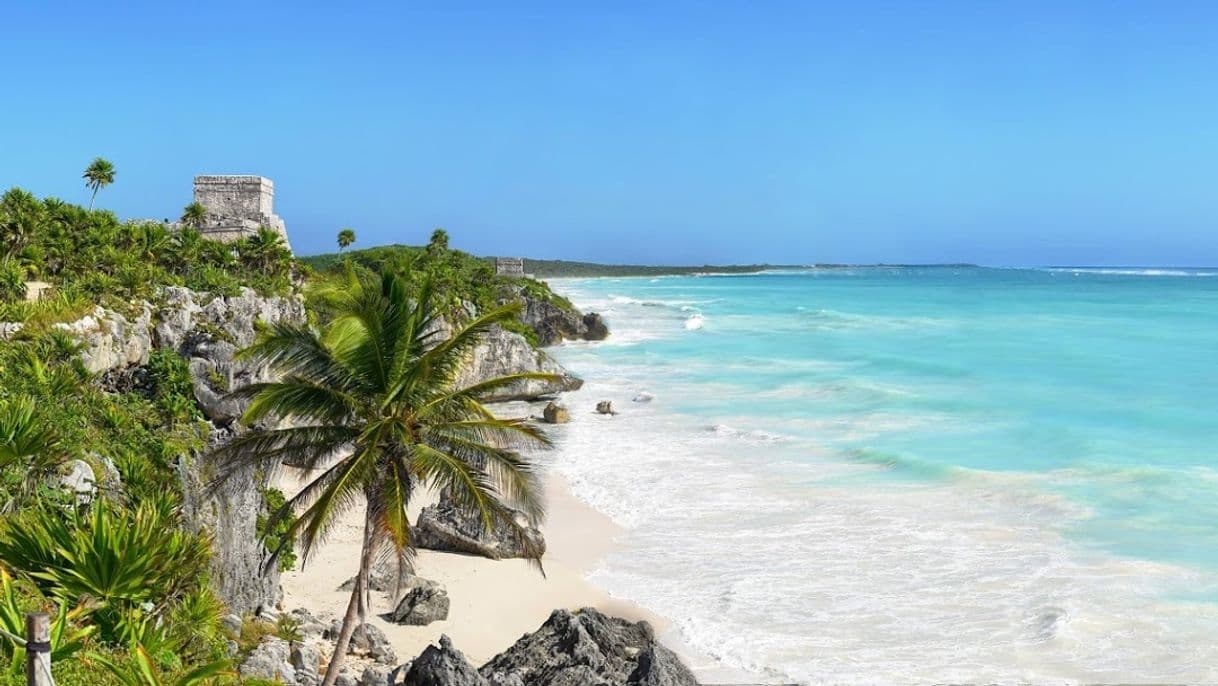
(1131, 271)
(907, 583)
(694, 322)
(777, 547)
(765, 563)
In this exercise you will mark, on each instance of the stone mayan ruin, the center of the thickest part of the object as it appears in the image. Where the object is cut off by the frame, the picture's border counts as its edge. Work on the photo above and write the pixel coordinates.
(509, 266)
(237, 205)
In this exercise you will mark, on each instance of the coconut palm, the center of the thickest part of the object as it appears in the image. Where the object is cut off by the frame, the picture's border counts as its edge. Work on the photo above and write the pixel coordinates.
(20, 216)
(439, 241)
(374, 413)
(345, 238)
(97, 176)
(263, 250)
(193, 216)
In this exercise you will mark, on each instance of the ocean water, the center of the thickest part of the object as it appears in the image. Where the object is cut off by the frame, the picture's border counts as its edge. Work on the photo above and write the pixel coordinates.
(911, 475)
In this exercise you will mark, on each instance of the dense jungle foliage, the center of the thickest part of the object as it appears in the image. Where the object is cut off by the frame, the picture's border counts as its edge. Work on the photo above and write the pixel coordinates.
(124, 581)
(90, 257)
(461, 278)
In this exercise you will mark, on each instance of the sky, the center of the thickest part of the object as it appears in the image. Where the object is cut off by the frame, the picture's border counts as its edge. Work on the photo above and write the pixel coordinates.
(1000, 133)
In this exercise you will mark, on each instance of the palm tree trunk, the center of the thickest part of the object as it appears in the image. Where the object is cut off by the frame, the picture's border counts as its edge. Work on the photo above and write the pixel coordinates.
(356, 609)
(92, 198)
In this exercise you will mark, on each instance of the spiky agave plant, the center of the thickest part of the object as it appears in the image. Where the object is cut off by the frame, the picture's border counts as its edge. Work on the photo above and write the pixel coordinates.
(374, 415)
(142, 671)
(67, 636)
(29, 448)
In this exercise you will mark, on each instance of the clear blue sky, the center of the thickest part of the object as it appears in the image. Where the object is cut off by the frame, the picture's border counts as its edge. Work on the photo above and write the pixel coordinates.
(1022, 132)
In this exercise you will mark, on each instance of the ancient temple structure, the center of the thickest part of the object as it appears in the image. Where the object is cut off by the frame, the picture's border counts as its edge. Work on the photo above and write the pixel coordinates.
(509, 266)
(237, 205)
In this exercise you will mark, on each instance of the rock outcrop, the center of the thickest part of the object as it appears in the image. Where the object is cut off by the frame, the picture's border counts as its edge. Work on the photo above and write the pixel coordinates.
(587, 647)
(554, 324)
(502, 353)
(553, 413)
(270, 660)
(597, 329)
(110, 341)
(423, 602)
(447, 527)
(230, 515)
(443, 665)
(369, 641)
(207, 331)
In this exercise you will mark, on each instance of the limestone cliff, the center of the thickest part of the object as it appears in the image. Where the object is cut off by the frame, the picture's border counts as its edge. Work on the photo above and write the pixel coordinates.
(207, 331)
(501, 353)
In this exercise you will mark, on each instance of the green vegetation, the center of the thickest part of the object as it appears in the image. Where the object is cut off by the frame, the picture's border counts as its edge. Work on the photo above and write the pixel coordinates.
(373, 387)
(124, 580)
(193, 216)
(275, 532)
(117, 572)
(90, 257)
(458, 278)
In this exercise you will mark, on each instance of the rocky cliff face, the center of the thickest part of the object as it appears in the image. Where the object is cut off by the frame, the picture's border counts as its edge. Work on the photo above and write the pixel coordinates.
(501, 353)
(110, 340)
(554, 324)
(207, 331)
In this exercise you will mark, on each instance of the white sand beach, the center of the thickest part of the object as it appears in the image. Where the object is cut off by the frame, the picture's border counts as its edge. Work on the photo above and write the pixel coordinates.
(492, 602)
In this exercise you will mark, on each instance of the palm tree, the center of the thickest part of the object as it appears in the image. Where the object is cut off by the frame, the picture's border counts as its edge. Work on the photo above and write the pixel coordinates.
(193, 216)
(97, 176)
(20, 216)
(372, 410)
(439, 241)
(263, 250)
(345, 238)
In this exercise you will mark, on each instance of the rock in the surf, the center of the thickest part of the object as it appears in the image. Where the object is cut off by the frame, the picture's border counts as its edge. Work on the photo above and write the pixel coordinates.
(555, 414)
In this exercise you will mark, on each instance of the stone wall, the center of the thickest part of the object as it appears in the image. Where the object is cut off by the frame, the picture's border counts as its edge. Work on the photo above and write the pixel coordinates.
(237, 205)
(509, 266)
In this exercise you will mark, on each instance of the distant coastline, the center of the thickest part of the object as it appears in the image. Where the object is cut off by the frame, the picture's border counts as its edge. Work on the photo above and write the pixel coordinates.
(567, 268)
(576, 269)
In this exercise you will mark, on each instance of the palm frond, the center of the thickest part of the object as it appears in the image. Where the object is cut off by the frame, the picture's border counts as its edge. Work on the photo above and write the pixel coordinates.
(302, 446)
(297, 398)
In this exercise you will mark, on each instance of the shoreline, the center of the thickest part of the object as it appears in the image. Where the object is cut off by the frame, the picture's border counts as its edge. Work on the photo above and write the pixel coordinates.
(492, 602)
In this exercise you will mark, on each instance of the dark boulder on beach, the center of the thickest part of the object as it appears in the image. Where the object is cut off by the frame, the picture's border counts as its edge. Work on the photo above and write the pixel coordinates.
(423, 602)
(443, 665)
(449, 528)
(588, 647)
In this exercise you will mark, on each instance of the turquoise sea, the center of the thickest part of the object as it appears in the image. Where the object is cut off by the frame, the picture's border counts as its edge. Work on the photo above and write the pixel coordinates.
(911, 474)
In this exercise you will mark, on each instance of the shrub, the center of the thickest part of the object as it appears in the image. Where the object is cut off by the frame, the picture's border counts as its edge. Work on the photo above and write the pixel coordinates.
(135, 565)
(275, 532)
